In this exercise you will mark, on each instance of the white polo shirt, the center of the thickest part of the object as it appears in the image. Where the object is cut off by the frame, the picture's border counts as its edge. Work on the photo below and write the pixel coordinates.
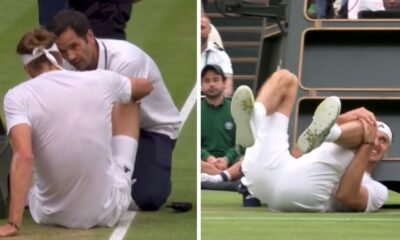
(158, 112)
(70, 117)
(214, 55)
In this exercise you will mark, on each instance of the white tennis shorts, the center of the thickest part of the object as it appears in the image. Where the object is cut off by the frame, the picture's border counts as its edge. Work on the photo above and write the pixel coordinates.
(283, 182)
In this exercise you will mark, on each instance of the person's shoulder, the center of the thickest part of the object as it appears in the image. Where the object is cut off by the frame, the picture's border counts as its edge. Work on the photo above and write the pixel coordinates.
(217, 47)
(18, 90)
(102, 74)
(123, 51)
(121, 46)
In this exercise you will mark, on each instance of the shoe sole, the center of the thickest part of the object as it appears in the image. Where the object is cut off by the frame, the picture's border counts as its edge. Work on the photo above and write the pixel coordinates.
(241, 109)
(324, 118)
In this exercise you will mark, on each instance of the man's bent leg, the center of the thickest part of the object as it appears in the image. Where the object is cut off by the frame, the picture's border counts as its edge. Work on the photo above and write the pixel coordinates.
(278, 94)
(125, 126)
(269, 120)
(152, 173)
(352, 134)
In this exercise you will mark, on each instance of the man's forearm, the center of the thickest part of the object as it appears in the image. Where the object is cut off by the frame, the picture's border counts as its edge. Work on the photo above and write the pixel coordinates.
(21, 175)
(349, 191)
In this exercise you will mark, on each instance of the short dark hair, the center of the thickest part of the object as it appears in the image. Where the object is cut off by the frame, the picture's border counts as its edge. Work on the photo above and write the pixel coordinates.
(65, 19)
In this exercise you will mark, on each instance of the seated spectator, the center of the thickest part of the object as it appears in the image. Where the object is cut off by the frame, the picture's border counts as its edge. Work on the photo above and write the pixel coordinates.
(218, 149)
(214, 35)
(356, 6)
(380, 9)
(324, 8)
(391, 5)
(311, 9)
(212, 53)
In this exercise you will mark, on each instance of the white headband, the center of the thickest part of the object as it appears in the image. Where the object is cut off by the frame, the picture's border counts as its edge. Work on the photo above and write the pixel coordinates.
(386, 129)
(39, 51)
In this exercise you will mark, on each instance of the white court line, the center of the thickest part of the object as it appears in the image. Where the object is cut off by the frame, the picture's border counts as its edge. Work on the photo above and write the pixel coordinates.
(189, 104)
(122, 228)
(303, 219)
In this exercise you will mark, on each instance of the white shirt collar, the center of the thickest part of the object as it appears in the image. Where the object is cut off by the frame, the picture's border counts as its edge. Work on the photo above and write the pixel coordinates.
(101, 63)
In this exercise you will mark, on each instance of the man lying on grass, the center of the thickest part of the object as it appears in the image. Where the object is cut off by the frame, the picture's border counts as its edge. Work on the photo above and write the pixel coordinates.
(330, 168)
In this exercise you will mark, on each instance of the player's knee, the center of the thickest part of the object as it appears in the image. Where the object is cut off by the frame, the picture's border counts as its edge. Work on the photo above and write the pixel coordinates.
(286, 74)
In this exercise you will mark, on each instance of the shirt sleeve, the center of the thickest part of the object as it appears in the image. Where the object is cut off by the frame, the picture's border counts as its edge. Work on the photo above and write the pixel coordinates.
(138, 65)
(232, 155)
(204, 154)
(118, 86)
(225, 63)
(15, 109)
(377, 195)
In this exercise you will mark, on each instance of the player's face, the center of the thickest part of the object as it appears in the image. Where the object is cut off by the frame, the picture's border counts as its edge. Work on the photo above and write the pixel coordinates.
(78, 51)
(381, 147)
(212, 84)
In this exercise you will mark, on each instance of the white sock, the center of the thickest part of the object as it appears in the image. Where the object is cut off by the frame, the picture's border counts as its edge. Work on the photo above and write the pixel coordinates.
(225, 176)
(334, 133)
(124, 150)
(259, 113)
(211, 178)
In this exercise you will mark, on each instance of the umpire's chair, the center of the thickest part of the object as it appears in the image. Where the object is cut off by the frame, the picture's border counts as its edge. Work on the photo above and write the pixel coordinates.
(5, 160)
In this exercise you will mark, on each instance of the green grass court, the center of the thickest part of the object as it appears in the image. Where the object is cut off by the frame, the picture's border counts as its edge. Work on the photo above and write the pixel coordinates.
(223, 217)
(166, 30)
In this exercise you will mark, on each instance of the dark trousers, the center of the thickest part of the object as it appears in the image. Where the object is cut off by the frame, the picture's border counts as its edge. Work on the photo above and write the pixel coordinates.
(152, 170)
(49, 8)
(107, 18)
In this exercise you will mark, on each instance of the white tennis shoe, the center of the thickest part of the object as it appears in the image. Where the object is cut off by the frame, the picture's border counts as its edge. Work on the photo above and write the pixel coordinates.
(241, 109)
(324, 118)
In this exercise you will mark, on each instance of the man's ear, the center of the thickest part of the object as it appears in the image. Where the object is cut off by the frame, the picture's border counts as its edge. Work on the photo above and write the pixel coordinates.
(90, 36)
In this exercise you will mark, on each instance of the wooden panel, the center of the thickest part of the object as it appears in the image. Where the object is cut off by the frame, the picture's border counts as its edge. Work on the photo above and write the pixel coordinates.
(346, 59)
(387, 172)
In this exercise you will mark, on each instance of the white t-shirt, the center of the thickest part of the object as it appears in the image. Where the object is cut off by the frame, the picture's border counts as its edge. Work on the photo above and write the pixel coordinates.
(377, 195)
(355, 6)
(70, 118)
(158, 112)
(212, 55)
